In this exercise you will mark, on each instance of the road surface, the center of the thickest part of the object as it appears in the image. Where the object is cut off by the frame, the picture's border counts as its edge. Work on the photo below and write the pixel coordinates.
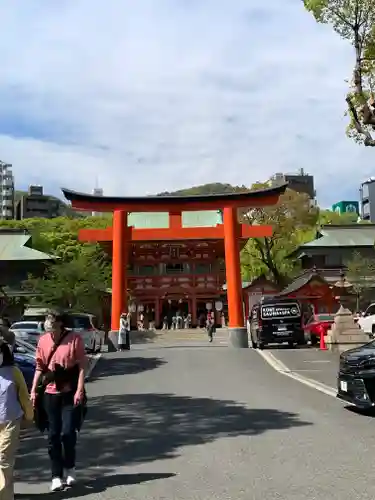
(209, 422)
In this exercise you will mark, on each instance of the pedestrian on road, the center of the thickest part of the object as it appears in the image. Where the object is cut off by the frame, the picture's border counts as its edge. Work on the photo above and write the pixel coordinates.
(124, 332)
(15, 405)
(210, 326)
(58, 393)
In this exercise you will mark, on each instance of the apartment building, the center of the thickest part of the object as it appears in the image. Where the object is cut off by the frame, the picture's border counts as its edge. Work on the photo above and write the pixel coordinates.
(6, 191)
(35, 203)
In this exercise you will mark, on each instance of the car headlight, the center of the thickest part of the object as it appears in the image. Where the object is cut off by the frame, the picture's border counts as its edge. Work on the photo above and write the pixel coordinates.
(368, 363)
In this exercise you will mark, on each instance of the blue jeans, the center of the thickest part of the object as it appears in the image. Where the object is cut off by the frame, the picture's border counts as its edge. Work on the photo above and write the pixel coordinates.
(62, 434)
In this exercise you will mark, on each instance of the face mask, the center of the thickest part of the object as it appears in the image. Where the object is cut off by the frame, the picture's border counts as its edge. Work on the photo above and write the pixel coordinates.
(48, 325)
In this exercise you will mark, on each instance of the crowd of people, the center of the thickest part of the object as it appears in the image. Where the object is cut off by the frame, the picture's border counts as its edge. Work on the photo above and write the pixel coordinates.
(57, 402)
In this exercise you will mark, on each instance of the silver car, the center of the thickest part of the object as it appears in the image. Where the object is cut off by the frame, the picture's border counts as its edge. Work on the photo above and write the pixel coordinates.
(30, 331)
(84, 325)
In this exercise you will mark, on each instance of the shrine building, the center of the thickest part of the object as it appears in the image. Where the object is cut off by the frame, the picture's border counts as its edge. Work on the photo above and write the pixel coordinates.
(174, 253)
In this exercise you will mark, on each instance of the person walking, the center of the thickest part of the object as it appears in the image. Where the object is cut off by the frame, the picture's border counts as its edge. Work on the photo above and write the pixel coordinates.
(124, 332)
(15, 405)
(60, 372)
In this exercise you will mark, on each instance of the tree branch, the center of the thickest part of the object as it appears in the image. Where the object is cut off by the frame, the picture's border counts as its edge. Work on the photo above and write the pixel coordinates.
(368, 141)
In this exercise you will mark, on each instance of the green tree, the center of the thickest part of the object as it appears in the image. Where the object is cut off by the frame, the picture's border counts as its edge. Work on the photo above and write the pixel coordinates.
(80, 283)
(354, 20)
(294, 221)
(361, 274)
(336, 218)
(81, 272)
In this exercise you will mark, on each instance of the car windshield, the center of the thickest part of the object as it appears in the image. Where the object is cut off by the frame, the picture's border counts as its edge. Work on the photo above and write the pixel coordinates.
(25, 326)
(78, 322)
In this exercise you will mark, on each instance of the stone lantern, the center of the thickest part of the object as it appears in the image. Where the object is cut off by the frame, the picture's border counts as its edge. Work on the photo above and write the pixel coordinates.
(343, 291)
(345, 332)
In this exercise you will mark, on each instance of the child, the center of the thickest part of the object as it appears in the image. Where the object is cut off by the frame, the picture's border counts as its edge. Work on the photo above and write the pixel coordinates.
(15, 404)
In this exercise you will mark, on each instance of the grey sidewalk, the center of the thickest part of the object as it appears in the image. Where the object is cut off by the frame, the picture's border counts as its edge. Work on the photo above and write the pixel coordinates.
(310, 362)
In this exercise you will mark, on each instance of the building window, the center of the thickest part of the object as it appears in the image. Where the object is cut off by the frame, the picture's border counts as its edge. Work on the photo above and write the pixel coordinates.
(145, 270)
(365, 191)
(202, 268)
(366, 208)
(174, 268)
(333, 260)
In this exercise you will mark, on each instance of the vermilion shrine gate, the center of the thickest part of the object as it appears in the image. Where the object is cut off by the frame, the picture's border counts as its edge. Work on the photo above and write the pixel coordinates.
(122, 236)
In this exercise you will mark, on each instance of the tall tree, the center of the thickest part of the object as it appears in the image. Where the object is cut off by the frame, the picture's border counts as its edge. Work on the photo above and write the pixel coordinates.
(361, 273)
(80, 283)
(294, 221)
(336, 218)
(354, 20)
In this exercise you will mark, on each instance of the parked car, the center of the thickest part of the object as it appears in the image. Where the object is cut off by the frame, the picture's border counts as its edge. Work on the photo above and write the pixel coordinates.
(356, 377)
(26, 363)
(28, 330)
(24, 347)
(367, 320)
(275, 321)
(84, 324)
(313, 326)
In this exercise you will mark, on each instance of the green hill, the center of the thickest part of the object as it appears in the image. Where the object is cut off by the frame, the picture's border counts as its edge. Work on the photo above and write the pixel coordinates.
(212, 188)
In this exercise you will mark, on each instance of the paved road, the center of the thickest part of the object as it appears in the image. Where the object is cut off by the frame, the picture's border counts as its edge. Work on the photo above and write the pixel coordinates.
(309, 362)
(204, 423)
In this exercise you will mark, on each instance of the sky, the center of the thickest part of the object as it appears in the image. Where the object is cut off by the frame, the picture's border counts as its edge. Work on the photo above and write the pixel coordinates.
(145, 96)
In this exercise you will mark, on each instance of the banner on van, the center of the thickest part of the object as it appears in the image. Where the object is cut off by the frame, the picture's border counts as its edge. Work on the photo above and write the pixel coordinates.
(280, 311)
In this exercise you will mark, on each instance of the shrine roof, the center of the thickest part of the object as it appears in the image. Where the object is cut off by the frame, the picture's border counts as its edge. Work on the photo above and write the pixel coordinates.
(13, 246)
(343, 236)
(262, 197)
(154, 220)
(300, 282)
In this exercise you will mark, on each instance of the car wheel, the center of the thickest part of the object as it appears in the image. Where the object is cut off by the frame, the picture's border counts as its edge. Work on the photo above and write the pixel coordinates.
(291, 344)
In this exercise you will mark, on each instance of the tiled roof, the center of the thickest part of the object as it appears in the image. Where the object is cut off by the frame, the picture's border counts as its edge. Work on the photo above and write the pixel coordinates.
(153, 220)
(12, 247)
(300, 282)
(356, 235)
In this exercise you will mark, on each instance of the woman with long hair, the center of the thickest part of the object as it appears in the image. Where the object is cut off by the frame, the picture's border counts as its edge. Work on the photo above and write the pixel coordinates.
(15, 405)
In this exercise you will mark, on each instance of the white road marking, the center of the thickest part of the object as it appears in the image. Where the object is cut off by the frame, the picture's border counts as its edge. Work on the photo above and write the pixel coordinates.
(279, 366)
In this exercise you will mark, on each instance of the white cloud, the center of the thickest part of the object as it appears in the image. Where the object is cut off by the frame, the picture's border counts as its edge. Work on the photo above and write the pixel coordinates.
(152, 96)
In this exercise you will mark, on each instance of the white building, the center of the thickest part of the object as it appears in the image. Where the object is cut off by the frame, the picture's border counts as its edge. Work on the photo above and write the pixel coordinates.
(97, 192)
(6, 191)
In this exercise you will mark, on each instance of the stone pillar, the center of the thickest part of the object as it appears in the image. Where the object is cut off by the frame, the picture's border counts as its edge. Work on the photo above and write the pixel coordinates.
(237, 330)
(345, 333)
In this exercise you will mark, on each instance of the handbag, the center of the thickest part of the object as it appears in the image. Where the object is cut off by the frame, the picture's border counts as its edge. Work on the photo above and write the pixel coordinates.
(40, 415)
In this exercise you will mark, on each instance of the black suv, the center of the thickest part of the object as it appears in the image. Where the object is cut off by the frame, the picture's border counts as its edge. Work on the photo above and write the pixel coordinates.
(356, 377)
(275, 321)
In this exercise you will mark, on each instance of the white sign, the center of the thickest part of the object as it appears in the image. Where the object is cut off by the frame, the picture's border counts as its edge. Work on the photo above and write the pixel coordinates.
(218, 305)
(209, 306)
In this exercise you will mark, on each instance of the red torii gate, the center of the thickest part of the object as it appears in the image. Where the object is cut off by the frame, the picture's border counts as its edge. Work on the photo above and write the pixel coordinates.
(231, 231)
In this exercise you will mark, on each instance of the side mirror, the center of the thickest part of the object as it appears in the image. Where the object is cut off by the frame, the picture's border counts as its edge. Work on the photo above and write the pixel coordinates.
(363, 314)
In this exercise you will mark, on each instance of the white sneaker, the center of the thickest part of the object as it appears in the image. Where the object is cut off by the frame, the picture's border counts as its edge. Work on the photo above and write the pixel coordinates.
(57, 484)
(70, 477)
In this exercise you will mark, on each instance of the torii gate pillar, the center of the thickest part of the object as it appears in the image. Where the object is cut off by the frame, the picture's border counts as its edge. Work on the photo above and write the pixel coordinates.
(237, 330)
(119, 267)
